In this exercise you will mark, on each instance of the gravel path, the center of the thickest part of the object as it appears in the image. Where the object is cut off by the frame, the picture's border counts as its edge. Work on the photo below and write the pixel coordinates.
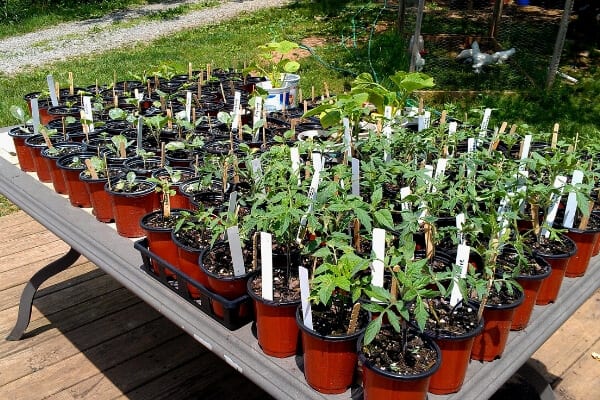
(67, 40)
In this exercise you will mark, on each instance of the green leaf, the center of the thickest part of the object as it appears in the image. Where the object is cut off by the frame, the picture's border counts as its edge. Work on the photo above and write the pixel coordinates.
(372, 330)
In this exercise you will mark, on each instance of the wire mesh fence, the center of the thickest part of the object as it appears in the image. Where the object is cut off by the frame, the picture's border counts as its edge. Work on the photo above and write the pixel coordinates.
(468, 44)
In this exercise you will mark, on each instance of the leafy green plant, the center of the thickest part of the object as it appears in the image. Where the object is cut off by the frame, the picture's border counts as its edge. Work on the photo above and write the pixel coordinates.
(272, 62)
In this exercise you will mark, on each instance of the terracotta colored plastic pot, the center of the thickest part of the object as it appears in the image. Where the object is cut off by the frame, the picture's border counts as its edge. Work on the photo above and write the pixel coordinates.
(179, 200)
(161, 243)
(100, 198)
(230, 287)
(490, 343)
(23, 154)
(384, 385)
(78, 194)
(455, 356)
(585, 240)
(50, 158)
(129, 208)
(596, 249)
(531, 285)
(329, 361)
(35, 144)
(558, 262)
(187, 262)
(276, 328)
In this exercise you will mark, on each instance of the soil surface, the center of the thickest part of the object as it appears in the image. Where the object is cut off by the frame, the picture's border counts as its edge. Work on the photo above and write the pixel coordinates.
(72, 39)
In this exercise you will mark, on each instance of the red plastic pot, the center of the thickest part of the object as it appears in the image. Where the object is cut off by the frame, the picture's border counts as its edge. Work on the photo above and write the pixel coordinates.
(161, 243)
(585, 240)
(100, 198)
(531, 285)
(23, 154)
(78, 194)
(455, 356)
(230, 287)
(187, 262)
(276, 329)
(491, 342)
(129, 208)
(329, 361)
(50, 158)
(558, 262)
(385, 385)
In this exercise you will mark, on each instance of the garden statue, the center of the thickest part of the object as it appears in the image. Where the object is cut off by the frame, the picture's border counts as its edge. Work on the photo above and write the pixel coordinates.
(480, 60)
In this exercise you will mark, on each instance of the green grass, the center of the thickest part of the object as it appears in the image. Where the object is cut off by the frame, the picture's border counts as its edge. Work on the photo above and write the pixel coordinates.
(346, 28)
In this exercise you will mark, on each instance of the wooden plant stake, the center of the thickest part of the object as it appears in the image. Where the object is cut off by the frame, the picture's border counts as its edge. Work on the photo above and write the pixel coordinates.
(326, 88)
(300, 96)
(166, 200)
(108, 182)
(535, 215)
(429, 247)
(190, 71)
(554, 136)
(356, 234)
(312, 94)
(353, 319)
(585, 219)
(47, 139)
(71, 87)
(162, 154)
(91, 169)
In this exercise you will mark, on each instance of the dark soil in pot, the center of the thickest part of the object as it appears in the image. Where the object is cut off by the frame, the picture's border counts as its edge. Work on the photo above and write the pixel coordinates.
(284, 290)
(388, 354)
(448, 320)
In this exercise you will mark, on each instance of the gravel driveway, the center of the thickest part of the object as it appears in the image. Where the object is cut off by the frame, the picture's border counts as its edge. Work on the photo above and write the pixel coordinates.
(72, 39)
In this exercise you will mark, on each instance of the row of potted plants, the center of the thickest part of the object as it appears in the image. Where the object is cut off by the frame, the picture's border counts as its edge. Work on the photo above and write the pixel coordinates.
(413, 237)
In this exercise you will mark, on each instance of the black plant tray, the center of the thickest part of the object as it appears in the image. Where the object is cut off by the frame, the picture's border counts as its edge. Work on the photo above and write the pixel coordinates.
(236, 313)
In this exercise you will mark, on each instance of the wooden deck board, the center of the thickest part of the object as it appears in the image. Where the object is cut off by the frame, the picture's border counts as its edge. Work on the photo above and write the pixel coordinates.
(90, 338)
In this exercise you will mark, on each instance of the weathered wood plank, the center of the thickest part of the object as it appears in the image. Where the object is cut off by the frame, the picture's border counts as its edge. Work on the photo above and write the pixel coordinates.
(581, 380)
(82, 270)
(61, 323)
(70, 371)
(10, 248)
(45, 306)
(571, 341)
(205, 377)
(32, 358)
(139, 370)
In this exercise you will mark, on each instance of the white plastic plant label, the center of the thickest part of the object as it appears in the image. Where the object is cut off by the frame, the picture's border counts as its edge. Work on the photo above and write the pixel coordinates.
(295, 158)
(571, 207)
(140, 129)
(377, 266)
(52, 90)
(266, 265)
(387, 132)
(89, 115)
(232, 203)
(460, 223)
(424, 121)
(235, 247)
(188, 106)
(237, 100)
(312, 195)
(256, 169)
(258, 107)
(487, 113)
(559, 183)
(355, 176)
(304, 297)
(347, 138)
(440, 170)
(462, 260)
(452, 127)
(35, 114)
(405, 192)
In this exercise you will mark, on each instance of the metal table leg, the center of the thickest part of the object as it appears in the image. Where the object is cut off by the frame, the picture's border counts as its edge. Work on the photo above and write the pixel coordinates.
(32, 286)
